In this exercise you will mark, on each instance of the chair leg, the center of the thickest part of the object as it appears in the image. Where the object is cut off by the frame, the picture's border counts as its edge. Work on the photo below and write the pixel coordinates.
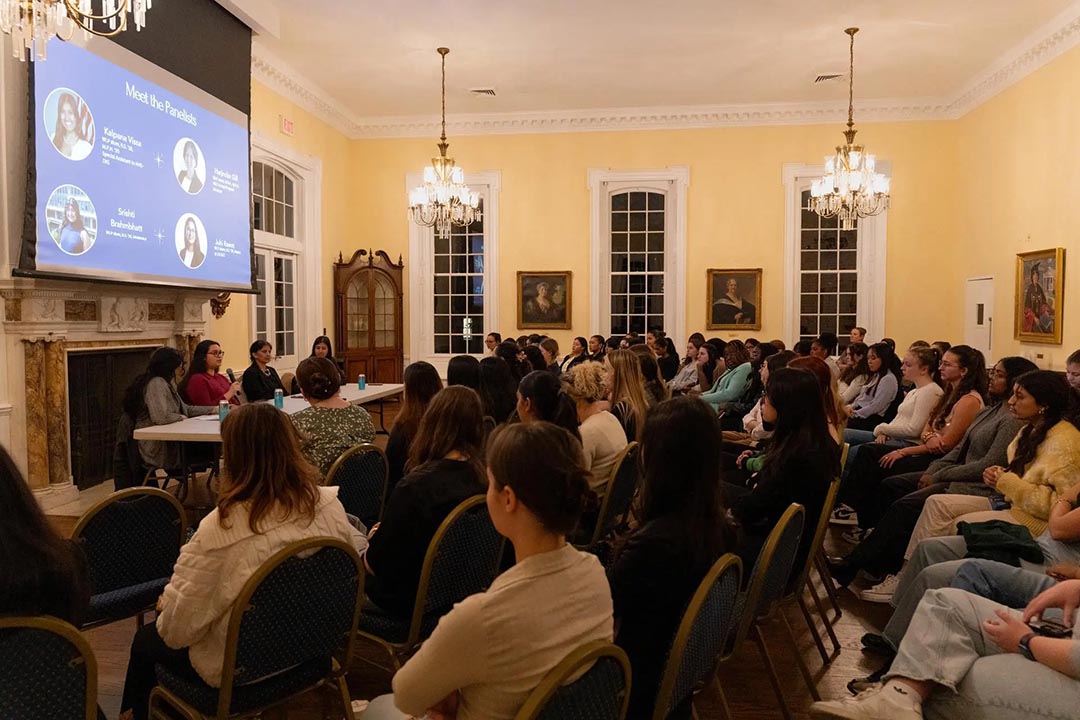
(346, 700)
(830, 586)
(821, 611)
(778, 689)
(805, 671)
(725, 709)
(825, 659)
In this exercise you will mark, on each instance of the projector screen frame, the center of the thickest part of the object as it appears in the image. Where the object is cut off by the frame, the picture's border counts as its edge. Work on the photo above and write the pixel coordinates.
(27, 263)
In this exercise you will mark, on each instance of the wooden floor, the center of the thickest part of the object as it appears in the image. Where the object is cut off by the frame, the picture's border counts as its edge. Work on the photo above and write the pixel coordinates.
(744, 679)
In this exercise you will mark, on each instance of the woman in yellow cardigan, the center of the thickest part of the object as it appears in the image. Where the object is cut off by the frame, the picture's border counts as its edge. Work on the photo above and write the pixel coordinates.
(1044, 462)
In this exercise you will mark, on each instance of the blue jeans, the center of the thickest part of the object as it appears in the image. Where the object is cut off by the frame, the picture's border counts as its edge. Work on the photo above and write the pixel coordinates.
(855, 438)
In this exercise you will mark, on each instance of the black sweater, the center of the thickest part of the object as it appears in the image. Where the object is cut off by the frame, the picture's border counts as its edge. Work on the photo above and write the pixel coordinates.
(259, 385)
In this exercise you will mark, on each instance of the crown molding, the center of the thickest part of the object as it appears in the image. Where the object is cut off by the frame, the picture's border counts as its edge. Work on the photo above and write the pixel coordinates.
(1056, 37)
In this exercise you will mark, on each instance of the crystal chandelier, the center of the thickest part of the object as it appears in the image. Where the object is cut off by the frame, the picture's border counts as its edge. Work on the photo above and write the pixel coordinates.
(32, 23)
(443, 199)
(851, 188)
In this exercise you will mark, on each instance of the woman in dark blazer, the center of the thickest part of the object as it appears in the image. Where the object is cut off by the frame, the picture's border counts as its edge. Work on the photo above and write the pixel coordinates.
(260, 380)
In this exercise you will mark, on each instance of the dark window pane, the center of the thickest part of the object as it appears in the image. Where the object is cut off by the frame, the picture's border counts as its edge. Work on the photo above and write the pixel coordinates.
(809, 240)
(457, 244)
(847, 322)
(828, 241)
(476, 308)
(619, 284)
(618, 222)
(637, 221)
(619, 325)
(476, 285)
(458, 285)
(848, 260)
(848, 303)
(618, 304)
(618, 202)
(442, 263)
(833, 222)
(442, 324)
(656, 321)
(809, 283)
(442, 285)
(809, 261)
(828, 261)
(459, 263)
(442, 304)
(656, 242)
(457, 305)
(637, 304)
(828, 282)
(656, 221)
(656, 201)
(288, 191)
(827, 324)
(442, 245)
(808, 325)
(656, 305)
(289, 222)
(809, 218)
(849, 282)
(476, 244)
(637, 242)
(257, 178)
(457, 344)
(637, 262)
(620, 262)
(848, 239)
(442, 343)
(618, 242)
(637, 324)
(637, 284)
(828, 304)
(808, 304)
(656, 262)
(655, 284)
(637, 200)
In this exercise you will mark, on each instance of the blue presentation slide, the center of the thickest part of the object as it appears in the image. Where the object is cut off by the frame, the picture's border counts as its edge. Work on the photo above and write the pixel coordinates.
(141, 177)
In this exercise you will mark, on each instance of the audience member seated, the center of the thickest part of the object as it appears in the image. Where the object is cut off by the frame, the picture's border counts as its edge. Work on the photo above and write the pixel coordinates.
(1043, 463)
(596, 349)
(760, 352)
(152, 399)
(41, 573)
(491, 341)
(960, 471)
(834, 411)
(602, 435)
(858, 335)
(656, 390)
(855, 374)
(968, 657)
(667, 359)
(710, 365)
(421, 383)
(511, 355)
(549, 349)
(578, 354)
(683, 530)
(880, 391)
(540, 397)
(204, 384)
(963, 374)
(444, 469)
(754, 428)
(553, 600)
(260, 380)
(686, 377)
(498, 389)
(802, 348)
(463, 370)
(798, 467)
(733, 411)
(823, 347)
(1072, 370)
(731, 385)
(778, 344)
(320, 348)
(534, 358)
(919, 368)
(269, 498)
(626, 387)
(331, 425)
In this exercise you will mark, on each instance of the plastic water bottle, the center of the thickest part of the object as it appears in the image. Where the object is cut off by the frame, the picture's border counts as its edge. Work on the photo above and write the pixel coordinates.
(279, 399)
(222, 410)
(361, 382)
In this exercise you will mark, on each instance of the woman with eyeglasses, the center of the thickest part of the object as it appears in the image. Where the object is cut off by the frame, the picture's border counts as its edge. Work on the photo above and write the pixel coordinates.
(204, 384)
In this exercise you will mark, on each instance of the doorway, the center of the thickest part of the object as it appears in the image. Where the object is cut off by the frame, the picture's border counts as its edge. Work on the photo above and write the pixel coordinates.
(979, 316)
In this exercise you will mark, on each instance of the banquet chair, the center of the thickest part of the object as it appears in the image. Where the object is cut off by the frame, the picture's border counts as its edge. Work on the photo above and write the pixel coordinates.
(361, 475)
(47, 670)
(801, 580)
(619, 493)
(591, 683)
(819, 557)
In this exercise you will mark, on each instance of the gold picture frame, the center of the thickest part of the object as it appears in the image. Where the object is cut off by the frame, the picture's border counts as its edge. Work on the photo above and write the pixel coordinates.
(1039, 301)
(550, 307)
(738, 311)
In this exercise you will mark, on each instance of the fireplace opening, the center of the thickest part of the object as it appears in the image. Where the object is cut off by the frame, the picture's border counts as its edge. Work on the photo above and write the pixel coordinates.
(97, 380)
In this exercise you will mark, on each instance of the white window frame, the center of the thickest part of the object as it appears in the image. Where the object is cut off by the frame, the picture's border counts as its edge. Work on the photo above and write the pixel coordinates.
(673, 181)
(421, 271)
(872, 246)
(306, 245)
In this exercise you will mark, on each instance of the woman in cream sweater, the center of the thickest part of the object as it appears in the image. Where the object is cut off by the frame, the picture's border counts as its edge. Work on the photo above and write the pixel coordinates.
(1044, 462)
(269, 498)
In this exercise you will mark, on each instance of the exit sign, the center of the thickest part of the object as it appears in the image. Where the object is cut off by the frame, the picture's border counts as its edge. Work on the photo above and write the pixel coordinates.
(288, 127)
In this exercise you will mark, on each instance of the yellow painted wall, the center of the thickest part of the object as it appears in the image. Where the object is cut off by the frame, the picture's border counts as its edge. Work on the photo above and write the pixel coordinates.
(1019, 157)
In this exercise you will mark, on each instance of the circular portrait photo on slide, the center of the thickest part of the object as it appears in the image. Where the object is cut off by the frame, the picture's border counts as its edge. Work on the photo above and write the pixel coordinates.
(189, 165)
(71, 219)
(190, 240)
(69, 123)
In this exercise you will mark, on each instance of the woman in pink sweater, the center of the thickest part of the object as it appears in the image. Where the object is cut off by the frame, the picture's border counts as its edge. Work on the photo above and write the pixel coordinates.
(204, 384)
(269, 498)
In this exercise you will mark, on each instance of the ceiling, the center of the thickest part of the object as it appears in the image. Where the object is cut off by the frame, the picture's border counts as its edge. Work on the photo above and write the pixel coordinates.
(377, 58)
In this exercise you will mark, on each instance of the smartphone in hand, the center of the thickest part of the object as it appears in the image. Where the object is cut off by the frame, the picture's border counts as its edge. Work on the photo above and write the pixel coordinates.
(1050, 628)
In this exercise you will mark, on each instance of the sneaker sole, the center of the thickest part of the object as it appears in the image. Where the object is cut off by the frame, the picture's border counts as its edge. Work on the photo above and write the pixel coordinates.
(875, 597)
(835, 712)
(844, 521)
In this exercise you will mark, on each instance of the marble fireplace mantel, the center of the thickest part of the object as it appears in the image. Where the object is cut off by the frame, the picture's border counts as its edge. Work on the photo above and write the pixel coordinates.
(44, 321)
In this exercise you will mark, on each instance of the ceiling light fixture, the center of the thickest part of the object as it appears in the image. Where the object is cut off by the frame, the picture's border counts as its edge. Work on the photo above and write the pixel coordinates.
(444, 199)
(32, 23)
(851, 188)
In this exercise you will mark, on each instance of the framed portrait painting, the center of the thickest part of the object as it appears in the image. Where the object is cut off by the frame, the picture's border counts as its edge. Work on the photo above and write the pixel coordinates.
(1040, 295)
(734, 298)
(543, 299)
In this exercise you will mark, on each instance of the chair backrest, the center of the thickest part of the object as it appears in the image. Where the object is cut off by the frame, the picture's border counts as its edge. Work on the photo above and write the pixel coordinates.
(301, 604)
(621, 486)
(700, 639)
(361, 474)
(799, 574)
(47, 670)
(772, 570)
(462, 560)
(133, 536)
(843, 457)
(602, 692)
(287, 380)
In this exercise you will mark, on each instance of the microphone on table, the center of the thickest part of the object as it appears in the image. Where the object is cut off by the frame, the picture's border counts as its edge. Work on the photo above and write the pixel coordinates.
(232, 376)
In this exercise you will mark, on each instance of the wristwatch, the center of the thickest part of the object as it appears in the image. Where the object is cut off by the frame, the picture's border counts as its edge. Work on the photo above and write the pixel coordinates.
(1025, 646)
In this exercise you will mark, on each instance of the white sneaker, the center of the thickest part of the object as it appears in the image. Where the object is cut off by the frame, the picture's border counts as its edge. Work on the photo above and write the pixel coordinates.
(844, 515)
(855, 535)
(891, 701)
(883, 591)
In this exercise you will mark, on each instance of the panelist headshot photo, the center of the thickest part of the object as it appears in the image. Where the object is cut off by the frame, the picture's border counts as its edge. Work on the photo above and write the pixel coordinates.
(189, 166)
(71, 219)
(69, 123)
(190, 240)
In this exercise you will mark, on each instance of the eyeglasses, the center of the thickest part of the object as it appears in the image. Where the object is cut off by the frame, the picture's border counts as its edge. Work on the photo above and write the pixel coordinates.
(217, 353)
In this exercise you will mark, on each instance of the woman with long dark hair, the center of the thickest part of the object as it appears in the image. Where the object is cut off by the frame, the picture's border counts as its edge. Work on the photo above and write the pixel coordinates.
(445, 468)
(800, 463)
(74, 238)
(422, 383)
(579, 353)
(204, 384)
(321, 347)
(152, 399)
(534, 358)
(871, 407)
(68, 136)
(260, 380)
(855, 372)
(510, 353)
(498, 389)
(463, 370)
(683, 530)
(709, 365)
(540, 397)
(686, 378)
